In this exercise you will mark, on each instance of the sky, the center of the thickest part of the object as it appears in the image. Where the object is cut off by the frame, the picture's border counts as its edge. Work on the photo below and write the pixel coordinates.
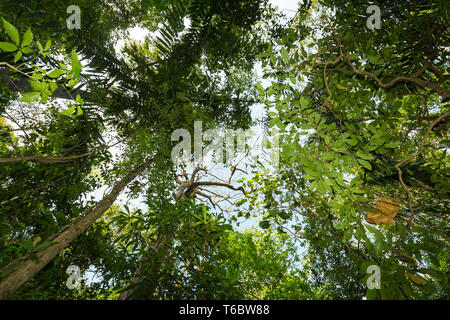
(286, 4)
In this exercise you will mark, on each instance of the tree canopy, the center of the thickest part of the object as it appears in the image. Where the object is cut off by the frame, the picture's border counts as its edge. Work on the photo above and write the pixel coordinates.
(94, 205)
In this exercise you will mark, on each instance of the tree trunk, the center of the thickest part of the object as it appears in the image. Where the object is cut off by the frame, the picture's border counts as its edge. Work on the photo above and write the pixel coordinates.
(25, 269)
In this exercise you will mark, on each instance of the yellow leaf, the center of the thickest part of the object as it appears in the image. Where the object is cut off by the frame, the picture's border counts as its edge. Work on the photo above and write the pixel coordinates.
(384, 212)
(389, 207)
(36, 241)
(417, 279)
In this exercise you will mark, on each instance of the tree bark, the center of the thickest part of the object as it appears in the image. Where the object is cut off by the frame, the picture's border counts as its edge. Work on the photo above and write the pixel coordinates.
(25, 269)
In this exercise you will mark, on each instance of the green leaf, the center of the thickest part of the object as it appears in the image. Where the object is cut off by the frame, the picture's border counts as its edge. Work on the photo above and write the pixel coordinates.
(264, 224)
(27, 50)
(376, 60)
(329, 155)
(364, 156)
(341, 182)
(371, 294)
(378, 234)
(44, 245)
(48, 45)
(37, 85)
(27, 38)
(321, 186)
(285, 55)
(392, 144)
(260, 89)
(27, 244)
(69, 111)
(79, 99)
(312, 172)
(304, 102)
(53, 86)
(8, 271)
(352, 142)
(56, 73)
(292, 79)
(17, 56)
(76, 65)
(353, 56)
(31, 97)
(79, 111)
(12, 32)
(365, 164)
(347, 235)
(387, 292)
(72, 83)
(7, 46)
(44, 98)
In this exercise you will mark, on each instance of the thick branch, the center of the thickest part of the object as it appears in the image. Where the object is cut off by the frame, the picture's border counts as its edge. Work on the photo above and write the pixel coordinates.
(25, 269)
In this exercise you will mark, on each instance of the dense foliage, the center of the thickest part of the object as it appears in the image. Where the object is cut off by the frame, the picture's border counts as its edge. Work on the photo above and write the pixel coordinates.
(88, 176)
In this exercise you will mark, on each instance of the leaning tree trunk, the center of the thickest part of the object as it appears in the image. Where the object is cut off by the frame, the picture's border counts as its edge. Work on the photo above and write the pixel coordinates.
(25, 269)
